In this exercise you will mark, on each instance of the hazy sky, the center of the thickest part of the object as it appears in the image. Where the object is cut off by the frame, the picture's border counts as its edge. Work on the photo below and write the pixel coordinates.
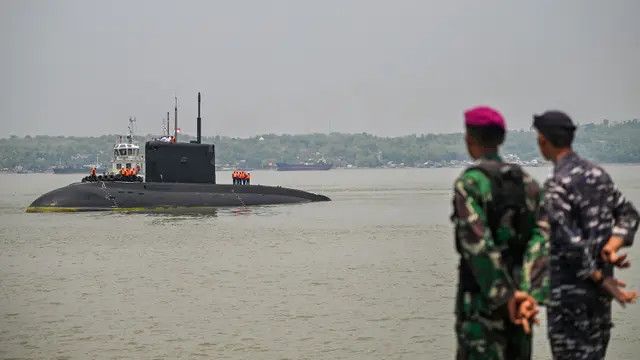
(386, 67)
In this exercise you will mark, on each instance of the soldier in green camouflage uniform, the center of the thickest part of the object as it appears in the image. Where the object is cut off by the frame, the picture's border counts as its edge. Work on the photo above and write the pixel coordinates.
(494, 267)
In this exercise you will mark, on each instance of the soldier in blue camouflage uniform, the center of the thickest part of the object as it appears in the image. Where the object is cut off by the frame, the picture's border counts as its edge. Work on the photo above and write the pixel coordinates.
(589, 221)
(499, 265)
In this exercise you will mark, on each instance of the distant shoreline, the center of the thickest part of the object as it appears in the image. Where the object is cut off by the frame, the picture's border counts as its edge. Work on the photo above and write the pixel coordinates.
(544, 165)
(614, 143)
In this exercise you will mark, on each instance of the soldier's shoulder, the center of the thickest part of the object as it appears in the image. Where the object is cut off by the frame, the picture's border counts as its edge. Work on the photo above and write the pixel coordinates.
(527, 178)
(588, 172)
(474, 180)
(474, 174)
(571, 170)
(532, 187)
(596, 172)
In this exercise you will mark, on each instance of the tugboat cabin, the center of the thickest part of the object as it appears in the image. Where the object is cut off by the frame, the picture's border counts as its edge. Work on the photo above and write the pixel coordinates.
(126, 155)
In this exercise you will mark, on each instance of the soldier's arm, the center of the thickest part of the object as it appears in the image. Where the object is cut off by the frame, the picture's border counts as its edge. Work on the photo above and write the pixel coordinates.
(476, 242)
(626, 217)
(535, 267)
(561, 209)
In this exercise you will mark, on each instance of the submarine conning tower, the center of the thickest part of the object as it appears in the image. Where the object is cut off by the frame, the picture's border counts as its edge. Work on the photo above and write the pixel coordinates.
(175, 162)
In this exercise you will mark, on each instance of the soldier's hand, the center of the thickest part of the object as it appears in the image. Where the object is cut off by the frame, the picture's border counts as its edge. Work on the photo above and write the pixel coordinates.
(614, 287)
(527, 312)
(528, 309)
(609, 252)
(514, 303)
(522, 309)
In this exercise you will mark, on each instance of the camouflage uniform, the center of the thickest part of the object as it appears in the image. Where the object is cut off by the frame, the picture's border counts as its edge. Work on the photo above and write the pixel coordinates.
(583, 208)
(483, 328)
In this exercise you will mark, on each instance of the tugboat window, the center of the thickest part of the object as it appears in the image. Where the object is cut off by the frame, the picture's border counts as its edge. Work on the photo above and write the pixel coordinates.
(115, 152)
(118, 166)
(128, 165)
(123, 151)
(129, 152)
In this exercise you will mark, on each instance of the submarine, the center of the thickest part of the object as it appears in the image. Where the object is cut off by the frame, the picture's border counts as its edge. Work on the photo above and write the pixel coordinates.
(177, 175)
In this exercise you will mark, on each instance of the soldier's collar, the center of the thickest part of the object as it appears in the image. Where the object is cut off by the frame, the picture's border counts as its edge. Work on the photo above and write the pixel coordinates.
(491, 156)
(568, 158)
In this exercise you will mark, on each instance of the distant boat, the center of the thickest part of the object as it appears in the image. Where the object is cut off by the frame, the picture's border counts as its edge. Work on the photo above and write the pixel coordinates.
(303, 166)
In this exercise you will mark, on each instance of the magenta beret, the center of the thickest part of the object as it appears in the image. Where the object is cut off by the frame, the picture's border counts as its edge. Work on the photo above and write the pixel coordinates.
(484, 116)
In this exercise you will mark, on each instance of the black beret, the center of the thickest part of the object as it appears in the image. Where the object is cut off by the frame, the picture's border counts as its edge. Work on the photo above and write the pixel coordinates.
(553, 119)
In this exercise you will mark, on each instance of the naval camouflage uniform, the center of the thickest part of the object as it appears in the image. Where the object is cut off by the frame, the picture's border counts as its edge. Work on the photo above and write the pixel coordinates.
(584, 209)
(486, 282)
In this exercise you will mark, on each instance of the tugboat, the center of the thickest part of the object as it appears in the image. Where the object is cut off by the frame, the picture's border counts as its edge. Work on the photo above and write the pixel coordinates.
(126, 154)
(178, 175)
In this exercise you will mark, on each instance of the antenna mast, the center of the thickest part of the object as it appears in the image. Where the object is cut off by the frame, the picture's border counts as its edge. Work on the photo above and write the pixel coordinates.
(199, 121)
(168, 125)
(175, 121)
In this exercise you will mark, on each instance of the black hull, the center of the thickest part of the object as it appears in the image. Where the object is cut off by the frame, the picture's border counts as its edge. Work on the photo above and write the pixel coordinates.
(136, 196)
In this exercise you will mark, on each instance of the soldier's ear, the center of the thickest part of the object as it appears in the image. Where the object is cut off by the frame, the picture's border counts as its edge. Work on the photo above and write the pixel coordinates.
(468, 139)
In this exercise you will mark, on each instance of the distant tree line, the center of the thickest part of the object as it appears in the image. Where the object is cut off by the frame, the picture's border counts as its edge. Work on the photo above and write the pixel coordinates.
(605, 142)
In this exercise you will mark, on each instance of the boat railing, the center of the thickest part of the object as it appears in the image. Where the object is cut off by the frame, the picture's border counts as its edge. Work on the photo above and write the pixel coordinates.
(128, 157)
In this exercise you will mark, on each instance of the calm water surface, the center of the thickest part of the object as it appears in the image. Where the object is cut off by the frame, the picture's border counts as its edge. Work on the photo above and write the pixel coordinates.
(370, 275)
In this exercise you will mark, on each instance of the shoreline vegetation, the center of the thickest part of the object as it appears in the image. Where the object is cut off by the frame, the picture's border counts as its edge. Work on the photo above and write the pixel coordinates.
(605, 142)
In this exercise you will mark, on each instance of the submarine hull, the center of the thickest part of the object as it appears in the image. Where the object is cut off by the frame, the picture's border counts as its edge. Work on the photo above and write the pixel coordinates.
(132, 196)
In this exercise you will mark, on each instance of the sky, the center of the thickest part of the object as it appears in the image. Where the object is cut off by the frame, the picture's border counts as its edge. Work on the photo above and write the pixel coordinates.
(389, 68)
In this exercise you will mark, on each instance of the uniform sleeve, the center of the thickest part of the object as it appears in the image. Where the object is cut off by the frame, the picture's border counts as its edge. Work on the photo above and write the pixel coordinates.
(475, 239)
(626, 217)
(578, 250)
(535, 267)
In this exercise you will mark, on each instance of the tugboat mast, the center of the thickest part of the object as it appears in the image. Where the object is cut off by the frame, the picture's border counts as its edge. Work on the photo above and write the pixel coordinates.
(132, 121)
